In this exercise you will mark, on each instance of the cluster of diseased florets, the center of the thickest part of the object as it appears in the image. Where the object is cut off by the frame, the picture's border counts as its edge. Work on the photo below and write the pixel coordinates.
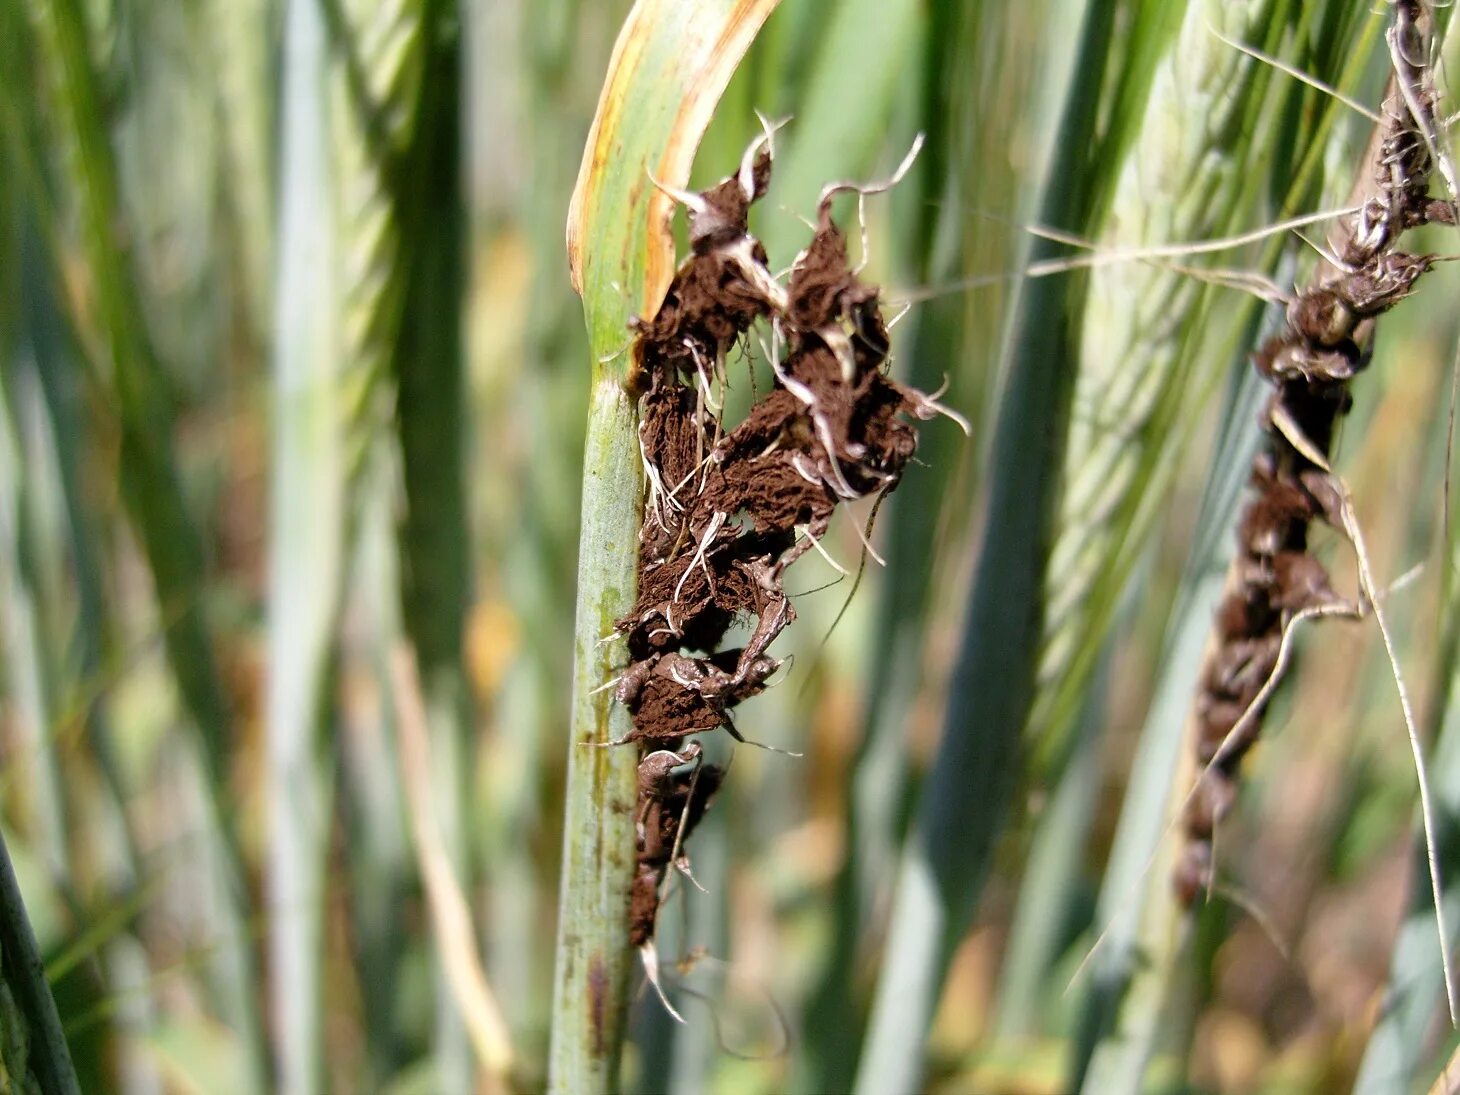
(1324, 343)
(728, 510)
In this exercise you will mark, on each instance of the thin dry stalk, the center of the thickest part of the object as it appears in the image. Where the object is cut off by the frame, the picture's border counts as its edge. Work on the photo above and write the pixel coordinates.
(450, 912)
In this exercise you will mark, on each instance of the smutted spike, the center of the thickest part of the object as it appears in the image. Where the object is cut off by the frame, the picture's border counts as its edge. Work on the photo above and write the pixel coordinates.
(730, 509)
(1310, 362)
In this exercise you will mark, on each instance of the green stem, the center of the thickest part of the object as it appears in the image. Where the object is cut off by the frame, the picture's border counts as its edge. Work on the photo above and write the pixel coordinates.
(593, 958)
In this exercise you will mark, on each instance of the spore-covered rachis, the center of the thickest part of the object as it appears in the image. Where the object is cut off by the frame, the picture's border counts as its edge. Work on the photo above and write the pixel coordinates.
(727, 510)
(1325, 341)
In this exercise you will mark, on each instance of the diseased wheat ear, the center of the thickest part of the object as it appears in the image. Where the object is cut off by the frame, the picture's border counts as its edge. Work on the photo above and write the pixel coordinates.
(1289, 359)
(1275, 581)
(729, 509)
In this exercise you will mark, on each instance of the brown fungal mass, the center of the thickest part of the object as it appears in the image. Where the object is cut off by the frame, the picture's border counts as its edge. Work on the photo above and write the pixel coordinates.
(1310, 362)
(729, 510)
(665, 813)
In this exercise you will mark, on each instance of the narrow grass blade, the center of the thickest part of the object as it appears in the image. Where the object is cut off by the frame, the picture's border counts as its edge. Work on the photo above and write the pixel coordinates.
(33, 1051)
(963, 801)
(1052, 901)
(306, 531)
(670, 64)
(430, 416)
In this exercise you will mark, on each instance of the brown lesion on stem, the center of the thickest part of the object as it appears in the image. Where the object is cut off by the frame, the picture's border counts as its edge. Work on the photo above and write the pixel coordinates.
(1326, 340)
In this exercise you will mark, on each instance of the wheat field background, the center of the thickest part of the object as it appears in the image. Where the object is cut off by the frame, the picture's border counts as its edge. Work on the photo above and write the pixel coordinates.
(293, 393)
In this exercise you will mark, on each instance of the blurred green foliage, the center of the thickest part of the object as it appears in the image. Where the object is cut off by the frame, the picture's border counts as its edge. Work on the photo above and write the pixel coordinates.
(292, 378)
